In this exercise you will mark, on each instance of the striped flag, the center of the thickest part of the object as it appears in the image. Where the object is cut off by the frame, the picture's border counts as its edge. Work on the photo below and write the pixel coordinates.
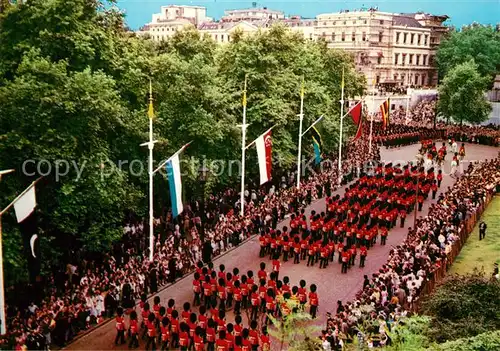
(175, 184)
(264, 146)
(151, 112)
(356, 114)
(317, 144)
(384, 108)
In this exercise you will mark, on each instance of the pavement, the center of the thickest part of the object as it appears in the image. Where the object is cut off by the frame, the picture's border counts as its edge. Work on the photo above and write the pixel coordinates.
(332, 285)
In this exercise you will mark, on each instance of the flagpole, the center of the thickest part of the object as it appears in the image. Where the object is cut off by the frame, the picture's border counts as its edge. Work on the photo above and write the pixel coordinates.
(3, 320)
(341, 126)
(407, 106)
(301, 118)
(371, 119)
(243, 148)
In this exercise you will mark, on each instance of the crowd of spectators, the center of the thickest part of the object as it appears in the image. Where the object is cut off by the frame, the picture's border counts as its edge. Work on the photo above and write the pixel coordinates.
(393, 291)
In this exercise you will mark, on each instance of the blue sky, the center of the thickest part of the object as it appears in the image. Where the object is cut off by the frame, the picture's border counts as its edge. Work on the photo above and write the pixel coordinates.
(138, 12)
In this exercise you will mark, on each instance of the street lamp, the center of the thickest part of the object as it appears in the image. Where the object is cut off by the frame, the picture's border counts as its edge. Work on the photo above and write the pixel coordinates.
(202, 178)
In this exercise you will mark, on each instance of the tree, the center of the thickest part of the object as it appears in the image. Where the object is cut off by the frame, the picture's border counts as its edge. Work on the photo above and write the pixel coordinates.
(294, 331)
(463, 306)
(462, 94)
(475, 42)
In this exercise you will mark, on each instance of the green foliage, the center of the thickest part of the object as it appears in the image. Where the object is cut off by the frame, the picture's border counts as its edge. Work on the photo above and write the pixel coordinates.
(295, 331)
(489, 341)
(476, 42)
(410, 334)
(464, 306)
(74, 87)
(461, 94)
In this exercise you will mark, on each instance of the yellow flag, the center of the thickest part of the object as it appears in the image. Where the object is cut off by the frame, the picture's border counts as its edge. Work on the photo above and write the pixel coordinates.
(245, 92)
(151, 112)
(302, 88)
(343, 83)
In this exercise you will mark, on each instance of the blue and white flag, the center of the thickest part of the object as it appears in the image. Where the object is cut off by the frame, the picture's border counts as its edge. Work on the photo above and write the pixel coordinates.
(175, 184)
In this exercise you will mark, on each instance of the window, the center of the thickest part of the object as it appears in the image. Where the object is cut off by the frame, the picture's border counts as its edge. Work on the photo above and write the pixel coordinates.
(381, 21)
(364, 22)
(363, 36)
(424, 60)
(423, 79)
(334, 23)
(380, 37)
(215, 37)
(402, 78)
(417, 79)
(431, 60)
(379, 60)
(419, 39)
(222, 38)
(412, 37)
(403, 59)
(377, 80)
(343, 36)
(398, 34)
(396, 59)
(410, 59)
(425, 39)
(354, 22)
(396, 76)
(417, 60)
(333, 36)
(323, 35)
(405, 35)
(393, 107)
(345, 23)
(353, 37)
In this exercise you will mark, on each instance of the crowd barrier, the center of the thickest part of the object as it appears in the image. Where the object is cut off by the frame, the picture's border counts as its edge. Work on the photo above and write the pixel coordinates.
(466, 228)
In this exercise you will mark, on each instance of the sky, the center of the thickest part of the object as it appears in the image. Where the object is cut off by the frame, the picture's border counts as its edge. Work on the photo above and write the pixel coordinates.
(461, 12)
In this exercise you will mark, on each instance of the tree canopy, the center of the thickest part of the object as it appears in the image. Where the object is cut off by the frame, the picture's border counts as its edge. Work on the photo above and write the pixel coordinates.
(462, 94)
(475, 42)
(74, 91)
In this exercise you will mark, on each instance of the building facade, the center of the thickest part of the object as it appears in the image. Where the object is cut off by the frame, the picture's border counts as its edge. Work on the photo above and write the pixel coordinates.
(173, 18)
(392, 50)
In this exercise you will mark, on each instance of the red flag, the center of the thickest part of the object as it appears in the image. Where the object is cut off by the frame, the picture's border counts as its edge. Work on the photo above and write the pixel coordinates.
(355, 113)
(264, 148)
(359, 133)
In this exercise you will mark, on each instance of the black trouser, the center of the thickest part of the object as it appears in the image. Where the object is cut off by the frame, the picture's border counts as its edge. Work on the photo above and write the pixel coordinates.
(262, 252)
(164, 345)
(120, 336)
(482, 234)
(402, 222)
(152, 342)
(313, 311)
(196, 300)
(208, 300)
(433, 194)
(229, 301)
(134, 342)
(344, 267)
(310, 260)
(323, 262)
(211, 346)
(285, 256)
(255, 312)
(237, 307)
(420, 204)
(297, 258)
(362, 261)
(353, 259)
(383, 238)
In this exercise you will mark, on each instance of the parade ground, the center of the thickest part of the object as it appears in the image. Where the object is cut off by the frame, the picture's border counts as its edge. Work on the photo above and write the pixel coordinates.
(332, 285)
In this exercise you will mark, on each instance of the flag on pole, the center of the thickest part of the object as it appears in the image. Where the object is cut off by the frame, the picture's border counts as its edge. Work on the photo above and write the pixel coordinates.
(302, 89)
(175, 184)
(264, 145)
(356, 114)
(317, 144)
(384, 108)
(244, 102)
(151, 112)
(26, 217)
